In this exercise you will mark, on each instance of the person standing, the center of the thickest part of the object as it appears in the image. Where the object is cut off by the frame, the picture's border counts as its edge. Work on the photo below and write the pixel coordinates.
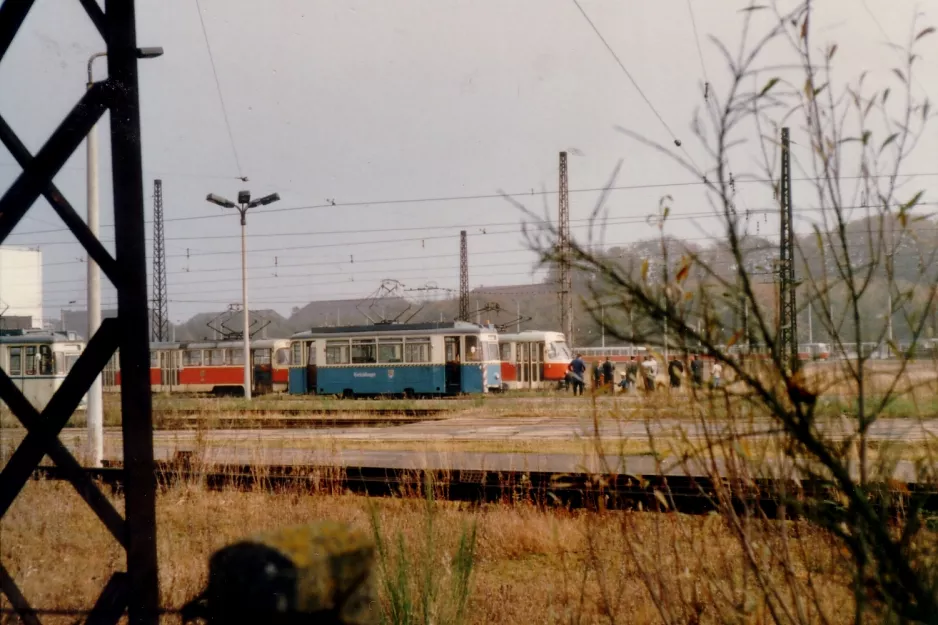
(696, 370)
(650, 367)
(577, 373)
(675, 371)
(631, 372)
(609, 374)
(716, 373)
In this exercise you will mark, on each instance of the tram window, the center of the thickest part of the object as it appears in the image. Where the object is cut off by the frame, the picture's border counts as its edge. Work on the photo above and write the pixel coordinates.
(154, 360)
(70, 361)
(282, 356)
(261, 356)
(16, 362)
(452, 349)
(234, 356)
(363, 351)
(337, 353)
(59, 359)
(391, 350)
(310, 353)
(30, 368)
(490, 350)
(417, 350)
(46, 362)
(558, 350)
(473, 353)
(192, 358)
(215, 357)
(505, 351)
(296, 350)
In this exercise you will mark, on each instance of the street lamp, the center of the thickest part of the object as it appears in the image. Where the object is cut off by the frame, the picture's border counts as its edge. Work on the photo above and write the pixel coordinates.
(244, 203)
(95, 411)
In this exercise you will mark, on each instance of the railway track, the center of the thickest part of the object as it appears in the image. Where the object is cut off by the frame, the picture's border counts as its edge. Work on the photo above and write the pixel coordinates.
(293, 418)
(686, 494)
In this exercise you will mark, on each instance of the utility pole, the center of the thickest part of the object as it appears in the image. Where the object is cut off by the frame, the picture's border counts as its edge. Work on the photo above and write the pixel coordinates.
(566, 278)
(788, 328)
(95, 410)
(463, 277)
(160, 305)
(244, 203)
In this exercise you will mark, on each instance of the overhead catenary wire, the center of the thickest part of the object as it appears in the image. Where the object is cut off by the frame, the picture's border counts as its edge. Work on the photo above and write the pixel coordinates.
(486, 196)
(628, 74)
(221, 99)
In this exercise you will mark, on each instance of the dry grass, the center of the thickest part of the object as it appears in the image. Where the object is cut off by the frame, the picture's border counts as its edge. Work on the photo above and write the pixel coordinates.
(532, 566)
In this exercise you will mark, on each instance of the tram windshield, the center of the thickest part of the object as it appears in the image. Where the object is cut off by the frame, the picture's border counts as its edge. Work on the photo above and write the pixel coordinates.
(490, 351)
(558, 350)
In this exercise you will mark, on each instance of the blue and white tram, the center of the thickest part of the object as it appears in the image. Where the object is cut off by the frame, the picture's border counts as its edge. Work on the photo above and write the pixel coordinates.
(38, 360)
(396, 359)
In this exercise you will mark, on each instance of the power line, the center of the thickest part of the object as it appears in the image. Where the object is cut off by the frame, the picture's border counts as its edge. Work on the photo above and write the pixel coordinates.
(693, 21)
(489, 196)
(224, 109)
(615, 56)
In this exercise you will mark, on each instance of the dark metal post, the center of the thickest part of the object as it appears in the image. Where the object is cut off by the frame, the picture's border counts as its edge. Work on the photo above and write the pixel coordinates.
(788, 318)
(463, 277)
(130, 245)
(566, 278)
(160, 305)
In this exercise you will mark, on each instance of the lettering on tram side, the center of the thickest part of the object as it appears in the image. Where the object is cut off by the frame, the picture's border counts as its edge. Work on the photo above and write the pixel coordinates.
(364, 374)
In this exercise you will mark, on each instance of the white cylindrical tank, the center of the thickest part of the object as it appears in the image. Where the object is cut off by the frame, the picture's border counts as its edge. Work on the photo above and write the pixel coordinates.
(21, 283)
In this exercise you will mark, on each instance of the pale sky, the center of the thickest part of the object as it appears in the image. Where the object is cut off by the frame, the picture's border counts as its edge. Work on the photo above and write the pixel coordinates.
(375, 101)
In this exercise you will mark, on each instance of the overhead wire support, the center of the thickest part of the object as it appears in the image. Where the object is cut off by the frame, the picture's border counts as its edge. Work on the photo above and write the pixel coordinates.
(787, 309)
(563, 242)
(463, 277)
(160, 303)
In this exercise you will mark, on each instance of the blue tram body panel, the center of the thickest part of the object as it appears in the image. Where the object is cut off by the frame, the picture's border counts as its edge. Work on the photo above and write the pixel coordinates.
(381, 379)
(493, 375)
(296, 384)
(471, 378)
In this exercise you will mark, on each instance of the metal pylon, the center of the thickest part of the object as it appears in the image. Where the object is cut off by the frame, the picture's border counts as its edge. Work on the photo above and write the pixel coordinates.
(136, 589)
(160, 305)
(566, 276)
(463, 277)
(787, 317)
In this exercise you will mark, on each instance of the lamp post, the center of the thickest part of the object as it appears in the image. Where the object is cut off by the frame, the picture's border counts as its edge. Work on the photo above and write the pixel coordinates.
(95, 411)
(244, 203)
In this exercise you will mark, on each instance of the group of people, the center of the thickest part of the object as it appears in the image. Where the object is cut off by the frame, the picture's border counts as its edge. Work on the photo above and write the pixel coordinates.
(640, 370)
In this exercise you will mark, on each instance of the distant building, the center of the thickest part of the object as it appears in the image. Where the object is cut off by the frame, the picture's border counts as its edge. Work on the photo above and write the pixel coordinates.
(20, 287)
(77, 321)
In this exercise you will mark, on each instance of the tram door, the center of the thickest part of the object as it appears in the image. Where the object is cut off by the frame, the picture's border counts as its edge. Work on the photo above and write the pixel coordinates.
(524, 373)
(263, 372)
(537, 363)
(169, 370)
(310, 349)
(453, 370)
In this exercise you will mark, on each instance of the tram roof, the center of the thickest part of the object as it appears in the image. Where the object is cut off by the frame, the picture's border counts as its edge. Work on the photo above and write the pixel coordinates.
(434, 327)
(37, 336)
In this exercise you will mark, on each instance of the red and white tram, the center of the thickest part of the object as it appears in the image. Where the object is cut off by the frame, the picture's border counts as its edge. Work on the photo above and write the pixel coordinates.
(212, 367)
(533, 359)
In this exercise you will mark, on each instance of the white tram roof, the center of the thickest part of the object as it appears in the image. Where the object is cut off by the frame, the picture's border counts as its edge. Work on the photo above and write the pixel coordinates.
(531, 335)
(43, 337)
(232, 344)
(396, 329)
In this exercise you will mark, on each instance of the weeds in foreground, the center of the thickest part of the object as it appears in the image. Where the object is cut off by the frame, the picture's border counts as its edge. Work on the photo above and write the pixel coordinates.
(413, 587)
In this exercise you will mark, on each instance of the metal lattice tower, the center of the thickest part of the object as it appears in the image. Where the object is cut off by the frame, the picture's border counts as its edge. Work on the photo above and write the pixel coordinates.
(160, 305)
(787, 309)
(136, 589)
(463, 277)
(566, 277)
